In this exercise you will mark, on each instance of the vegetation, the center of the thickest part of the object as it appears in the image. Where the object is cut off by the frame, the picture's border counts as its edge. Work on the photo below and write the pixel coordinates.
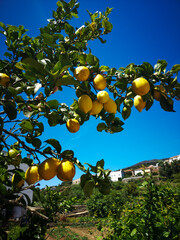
(32, 71)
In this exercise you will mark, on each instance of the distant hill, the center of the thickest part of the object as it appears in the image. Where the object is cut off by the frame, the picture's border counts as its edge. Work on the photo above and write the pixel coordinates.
(146, 162)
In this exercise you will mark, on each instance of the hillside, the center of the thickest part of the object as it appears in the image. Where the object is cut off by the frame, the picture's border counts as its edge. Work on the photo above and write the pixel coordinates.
(146, 162)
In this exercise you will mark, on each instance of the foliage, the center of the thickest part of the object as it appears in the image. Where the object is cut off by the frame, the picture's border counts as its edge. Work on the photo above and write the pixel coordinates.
(102, 206)
(52, 202)
(152, 215)
(168, 169)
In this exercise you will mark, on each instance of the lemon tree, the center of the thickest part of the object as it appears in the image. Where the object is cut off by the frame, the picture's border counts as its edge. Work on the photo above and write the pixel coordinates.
(34, 69)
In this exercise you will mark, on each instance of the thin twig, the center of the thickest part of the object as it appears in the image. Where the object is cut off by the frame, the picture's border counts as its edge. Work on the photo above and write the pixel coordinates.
(29, 149)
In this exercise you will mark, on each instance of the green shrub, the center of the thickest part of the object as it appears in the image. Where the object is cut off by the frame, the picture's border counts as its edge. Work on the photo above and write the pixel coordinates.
(102, 205)
(154, 215)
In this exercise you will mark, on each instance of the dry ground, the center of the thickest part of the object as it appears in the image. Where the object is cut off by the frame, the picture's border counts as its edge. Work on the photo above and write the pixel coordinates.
(90, 232)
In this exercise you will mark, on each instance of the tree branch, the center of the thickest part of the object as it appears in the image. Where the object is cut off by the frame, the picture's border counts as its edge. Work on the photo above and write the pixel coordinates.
(29, 149)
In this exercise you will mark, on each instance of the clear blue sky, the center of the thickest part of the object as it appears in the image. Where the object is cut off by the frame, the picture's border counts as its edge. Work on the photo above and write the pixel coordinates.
(143, 31)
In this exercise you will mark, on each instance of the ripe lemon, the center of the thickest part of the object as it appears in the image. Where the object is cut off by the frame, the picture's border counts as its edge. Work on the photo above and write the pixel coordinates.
(110, 106)
(48, 168)
(66, 170)
(99, 82)
(32, 175)
(4, 79)
(158, 91)
(81, 73)
(85, 103)
(96, 108)
(139, 103)
(20, 183)
(103, 96)
(140, 86)
(72, 125)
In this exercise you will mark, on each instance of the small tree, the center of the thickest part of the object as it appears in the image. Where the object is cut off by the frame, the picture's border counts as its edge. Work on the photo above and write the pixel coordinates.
(34, 68)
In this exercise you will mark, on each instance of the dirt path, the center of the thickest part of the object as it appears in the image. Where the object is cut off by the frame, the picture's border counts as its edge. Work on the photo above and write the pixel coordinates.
(90, 232)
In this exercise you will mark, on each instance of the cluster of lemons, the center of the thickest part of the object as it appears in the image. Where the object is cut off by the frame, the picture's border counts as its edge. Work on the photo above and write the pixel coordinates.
(141, 87)
(48, 169)
(86, 104)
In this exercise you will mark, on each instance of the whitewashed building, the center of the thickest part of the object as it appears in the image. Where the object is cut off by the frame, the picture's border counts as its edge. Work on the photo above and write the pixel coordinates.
(171, 159)
(116, 175)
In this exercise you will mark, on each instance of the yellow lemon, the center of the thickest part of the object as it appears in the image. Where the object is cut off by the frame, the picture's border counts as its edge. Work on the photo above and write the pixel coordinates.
(140, 86)
(32, 175)
(81, 73)
(72, 125)
(48, 168)
(85, 103)
(139, 103)
(158, 91)
(96, 108)
(110, 106)
(4, 79)
(20, 183)
(103, 96)
(66, 170)
(99, 82)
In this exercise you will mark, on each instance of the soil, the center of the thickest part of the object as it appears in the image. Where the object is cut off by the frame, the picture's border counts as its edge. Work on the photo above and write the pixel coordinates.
(90, 232)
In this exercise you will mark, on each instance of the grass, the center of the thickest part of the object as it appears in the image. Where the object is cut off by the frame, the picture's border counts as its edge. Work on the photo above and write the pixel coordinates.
(61, 231)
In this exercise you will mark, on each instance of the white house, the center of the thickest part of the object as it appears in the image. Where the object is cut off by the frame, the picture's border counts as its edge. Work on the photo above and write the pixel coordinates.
(116, 175)
(171, 159)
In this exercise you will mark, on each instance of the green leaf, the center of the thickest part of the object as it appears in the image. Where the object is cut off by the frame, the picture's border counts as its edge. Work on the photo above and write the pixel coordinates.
(104, 68)
(27, 125)
(54, 118)
(92, 60)
(88, 187)
(133, 232)
(166, 234)
(36, 142)
(28, 161)
(55, 143)
(166, 104)
(67, 154)
(33, 64)
(10, 110)
(100, 163)
(3, 25)
(67, 80)
(175, 68)
(3, 188)
(126, 112)
(101, 127)
(160, 66)
(47, 150)
(69, 29)
(84, 178)
(53, 104)
(107, 26)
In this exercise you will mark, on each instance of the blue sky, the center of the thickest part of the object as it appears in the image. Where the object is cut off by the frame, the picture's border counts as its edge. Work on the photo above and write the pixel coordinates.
(143, 31)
